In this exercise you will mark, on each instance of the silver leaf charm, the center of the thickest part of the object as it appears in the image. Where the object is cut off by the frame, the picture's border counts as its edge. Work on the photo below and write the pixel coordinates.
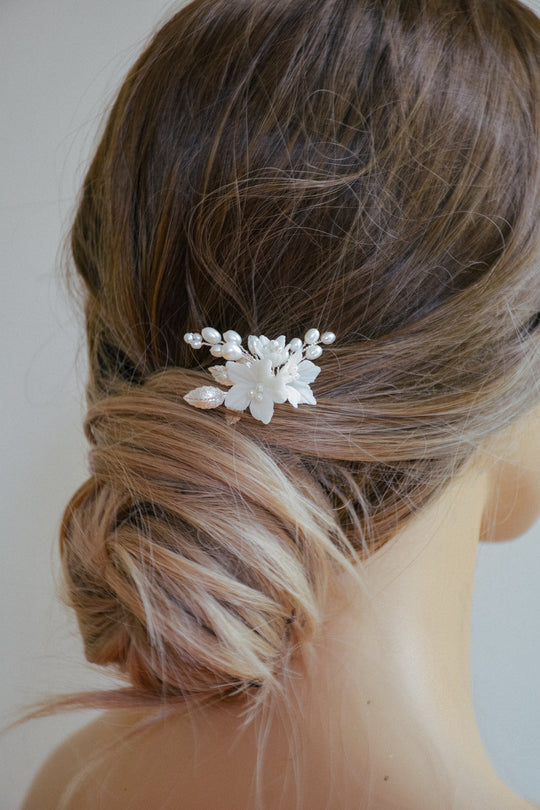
(219, 373)
(207, 396)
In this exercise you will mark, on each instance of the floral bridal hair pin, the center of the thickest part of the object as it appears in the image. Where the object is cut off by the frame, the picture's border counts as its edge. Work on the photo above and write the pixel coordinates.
(271, 371)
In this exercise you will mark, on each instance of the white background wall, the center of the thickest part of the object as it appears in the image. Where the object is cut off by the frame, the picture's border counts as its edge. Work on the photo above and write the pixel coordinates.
(61, 61)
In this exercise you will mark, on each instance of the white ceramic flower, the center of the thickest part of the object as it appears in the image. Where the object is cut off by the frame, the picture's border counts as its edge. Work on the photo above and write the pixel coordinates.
(262, 347)
(255, 386)
(300, 374)
(271, 372)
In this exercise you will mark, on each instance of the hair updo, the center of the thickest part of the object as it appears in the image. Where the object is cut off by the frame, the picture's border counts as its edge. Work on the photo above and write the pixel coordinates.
(268, 166)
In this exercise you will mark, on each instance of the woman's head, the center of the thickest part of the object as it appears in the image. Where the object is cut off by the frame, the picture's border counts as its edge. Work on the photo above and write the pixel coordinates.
(366, 167)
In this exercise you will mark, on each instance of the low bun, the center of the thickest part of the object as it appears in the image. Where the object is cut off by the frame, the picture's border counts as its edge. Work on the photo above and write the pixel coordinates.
(189, 573)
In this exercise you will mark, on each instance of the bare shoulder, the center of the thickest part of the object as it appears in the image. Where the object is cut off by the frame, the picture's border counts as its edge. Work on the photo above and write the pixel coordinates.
(181, 763)
(61, 779)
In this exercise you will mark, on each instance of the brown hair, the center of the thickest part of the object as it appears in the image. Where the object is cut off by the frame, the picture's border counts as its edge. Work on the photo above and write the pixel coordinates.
(269, 166)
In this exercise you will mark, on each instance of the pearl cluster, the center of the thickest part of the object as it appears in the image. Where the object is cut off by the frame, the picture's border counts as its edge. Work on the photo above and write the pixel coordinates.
(229, 347)
(257, 392)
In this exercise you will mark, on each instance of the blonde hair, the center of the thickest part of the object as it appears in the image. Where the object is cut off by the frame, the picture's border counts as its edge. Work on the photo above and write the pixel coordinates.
(268, 166)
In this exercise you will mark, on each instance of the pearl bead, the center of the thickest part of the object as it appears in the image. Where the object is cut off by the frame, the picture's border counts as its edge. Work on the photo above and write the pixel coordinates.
(188, 337)
(259, 396)
(260, 387)
(211, 335)
(251, 393)
(195, 340)
(215, 350)
(328, 338)
(231, 351)
(312, 352)
(231, 336)
(295, 345)
(311, 336)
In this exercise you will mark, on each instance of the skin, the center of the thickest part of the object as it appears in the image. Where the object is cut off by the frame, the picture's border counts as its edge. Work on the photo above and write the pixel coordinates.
(386, 700)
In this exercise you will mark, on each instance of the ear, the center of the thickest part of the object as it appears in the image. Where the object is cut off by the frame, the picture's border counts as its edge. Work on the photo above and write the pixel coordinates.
(513, 465)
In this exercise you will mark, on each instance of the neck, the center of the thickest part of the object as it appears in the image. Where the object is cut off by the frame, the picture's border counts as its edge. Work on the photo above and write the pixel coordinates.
(400, 651)
(387, 720)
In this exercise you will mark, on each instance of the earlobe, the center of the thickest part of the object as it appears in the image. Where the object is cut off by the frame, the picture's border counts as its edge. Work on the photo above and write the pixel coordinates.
(513, 501)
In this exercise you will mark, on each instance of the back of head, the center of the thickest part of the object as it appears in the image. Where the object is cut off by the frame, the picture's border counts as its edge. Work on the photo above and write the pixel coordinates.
(366, 167)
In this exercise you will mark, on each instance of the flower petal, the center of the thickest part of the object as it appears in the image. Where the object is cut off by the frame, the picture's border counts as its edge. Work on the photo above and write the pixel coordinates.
(240, 372)
(304, 391)
(293, 395)
(279, 392)
(262, 371)
(280, 385)
(237, 397)
(262, 410)
(308, 371)
(254, 346)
